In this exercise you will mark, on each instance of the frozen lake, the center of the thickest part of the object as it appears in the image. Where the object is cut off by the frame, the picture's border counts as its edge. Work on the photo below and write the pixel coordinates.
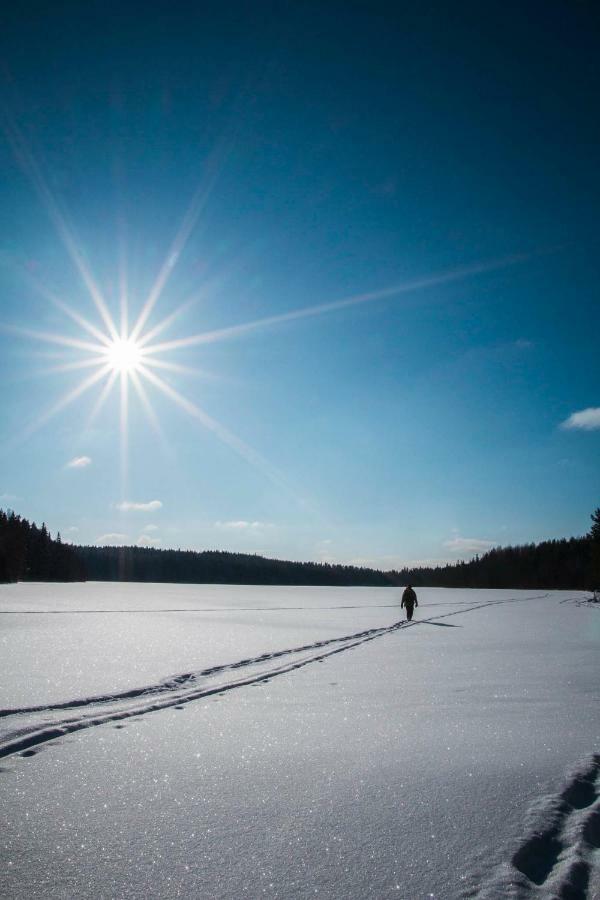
(224, 741)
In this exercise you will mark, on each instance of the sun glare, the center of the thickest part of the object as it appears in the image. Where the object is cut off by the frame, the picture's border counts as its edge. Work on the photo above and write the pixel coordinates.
(124, 355)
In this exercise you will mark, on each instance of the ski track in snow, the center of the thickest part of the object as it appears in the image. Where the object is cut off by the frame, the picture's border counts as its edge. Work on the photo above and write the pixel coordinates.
(26, 728)
(212, 609)
(559, 856)
(586, 602)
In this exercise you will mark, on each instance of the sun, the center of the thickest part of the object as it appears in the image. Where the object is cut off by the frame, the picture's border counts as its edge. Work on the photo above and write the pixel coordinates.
(124, 355)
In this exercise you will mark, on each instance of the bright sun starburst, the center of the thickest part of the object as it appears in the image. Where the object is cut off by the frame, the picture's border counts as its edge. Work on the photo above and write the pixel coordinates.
(130, 356)
(124, 355)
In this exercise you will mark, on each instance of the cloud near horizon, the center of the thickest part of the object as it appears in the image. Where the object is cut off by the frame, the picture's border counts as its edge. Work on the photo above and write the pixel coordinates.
(430, 562)
(468, 545)
(113, 537)
(392, 562)
(243, 525)
(79, 462)
(145, 540)
(585, 419)
(135, 506)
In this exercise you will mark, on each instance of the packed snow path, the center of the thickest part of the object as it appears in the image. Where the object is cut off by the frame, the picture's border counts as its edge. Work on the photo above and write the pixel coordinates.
(25, 728)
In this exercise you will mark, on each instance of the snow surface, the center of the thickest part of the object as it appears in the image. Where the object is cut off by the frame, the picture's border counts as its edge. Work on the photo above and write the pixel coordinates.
(225, 741)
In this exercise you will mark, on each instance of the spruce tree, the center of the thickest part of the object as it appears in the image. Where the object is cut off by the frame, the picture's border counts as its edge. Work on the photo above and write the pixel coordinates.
(594, 536)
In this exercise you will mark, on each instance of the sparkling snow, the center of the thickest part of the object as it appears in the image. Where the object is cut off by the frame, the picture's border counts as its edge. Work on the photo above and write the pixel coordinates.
(220, 742)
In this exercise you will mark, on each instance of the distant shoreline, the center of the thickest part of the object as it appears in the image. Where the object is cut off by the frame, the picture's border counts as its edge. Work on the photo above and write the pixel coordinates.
(29, 553)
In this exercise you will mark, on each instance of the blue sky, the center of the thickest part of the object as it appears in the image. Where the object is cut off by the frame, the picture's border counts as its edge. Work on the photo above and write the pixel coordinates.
(417, 188)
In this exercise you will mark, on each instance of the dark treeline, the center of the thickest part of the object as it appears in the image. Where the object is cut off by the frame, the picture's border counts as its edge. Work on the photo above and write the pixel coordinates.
(215, 567)
(28, 553)
(563, 564)
(551, 564)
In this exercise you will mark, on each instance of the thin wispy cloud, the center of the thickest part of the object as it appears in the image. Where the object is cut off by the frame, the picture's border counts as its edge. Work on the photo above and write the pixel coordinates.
(383, 563)
(389, 563)
(323, 550)
(9, 498)
(468, 545)
(428, 562)
(72, 529)
(113, 537)
(584, 420)
(242, 525)
(136, 506)
(145, 540)
(148, 528)
(79, 462)
(394, 563)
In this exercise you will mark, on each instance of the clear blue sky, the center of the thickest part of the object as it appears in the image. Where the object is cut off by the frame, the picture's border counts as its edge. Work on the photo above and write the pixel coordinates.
(436, 166)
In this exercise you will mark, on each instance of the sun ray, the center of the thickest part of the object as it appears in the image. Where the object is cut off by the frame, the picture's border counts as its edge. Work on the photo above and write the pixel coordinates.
(178, 367)
(102, 398)
(29, 165)
(147, 405)
(74, 366)
(225, 436)
(123, 285)
(166, 270)
(64, 402)
(214, 167)
(42, 354)
(82, 321)
(124, 432)
(50, 338)
(133, 352)
(166, 322)
(395, 290)
(49, 295)
(210, 287)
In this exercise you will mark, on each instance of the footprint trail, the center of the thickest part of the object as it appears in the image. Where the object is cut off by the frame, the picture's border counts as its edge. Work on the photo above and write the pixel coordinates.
(558, 856)
(22, 729)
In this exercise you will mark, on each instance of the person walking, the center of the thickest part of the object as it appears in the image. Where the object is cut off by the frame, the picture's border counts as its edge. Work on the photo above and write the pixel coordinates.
(409, 600)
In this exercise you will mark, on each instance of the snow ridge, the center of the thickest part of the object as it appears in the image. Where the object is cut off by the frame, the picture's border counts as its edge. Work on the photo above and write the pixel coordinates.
(559, 857)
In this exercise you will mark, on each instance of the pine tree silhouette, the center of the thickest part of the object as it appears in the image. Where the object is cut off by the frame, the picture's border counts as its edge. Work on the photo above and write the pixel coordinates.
(594, 536)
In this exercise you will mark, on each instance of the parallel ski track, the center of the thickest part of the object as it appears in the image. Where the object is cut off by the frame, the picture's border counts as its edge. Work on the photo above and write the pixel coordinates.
(184, 688)
(211, 609)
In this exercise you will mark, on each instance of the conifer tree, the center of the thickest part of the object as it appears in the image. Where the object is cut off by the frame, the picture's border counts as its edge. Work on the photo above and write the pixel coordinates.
(594, 537)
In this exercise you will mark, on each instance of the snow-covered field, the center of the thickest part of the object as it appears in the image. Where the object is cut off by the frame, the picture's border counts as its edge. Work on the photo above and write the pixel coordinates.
(221, 742)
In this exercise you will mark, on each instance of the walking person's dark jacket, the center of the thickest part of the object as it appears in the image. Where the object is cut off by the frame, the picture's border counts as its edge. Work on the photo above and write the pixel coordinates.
(409, 600)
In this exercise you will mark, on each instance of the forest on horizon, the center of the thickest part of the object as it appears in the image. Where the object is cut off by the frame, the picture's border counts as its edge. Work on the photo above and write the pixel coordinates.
(30, 553)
